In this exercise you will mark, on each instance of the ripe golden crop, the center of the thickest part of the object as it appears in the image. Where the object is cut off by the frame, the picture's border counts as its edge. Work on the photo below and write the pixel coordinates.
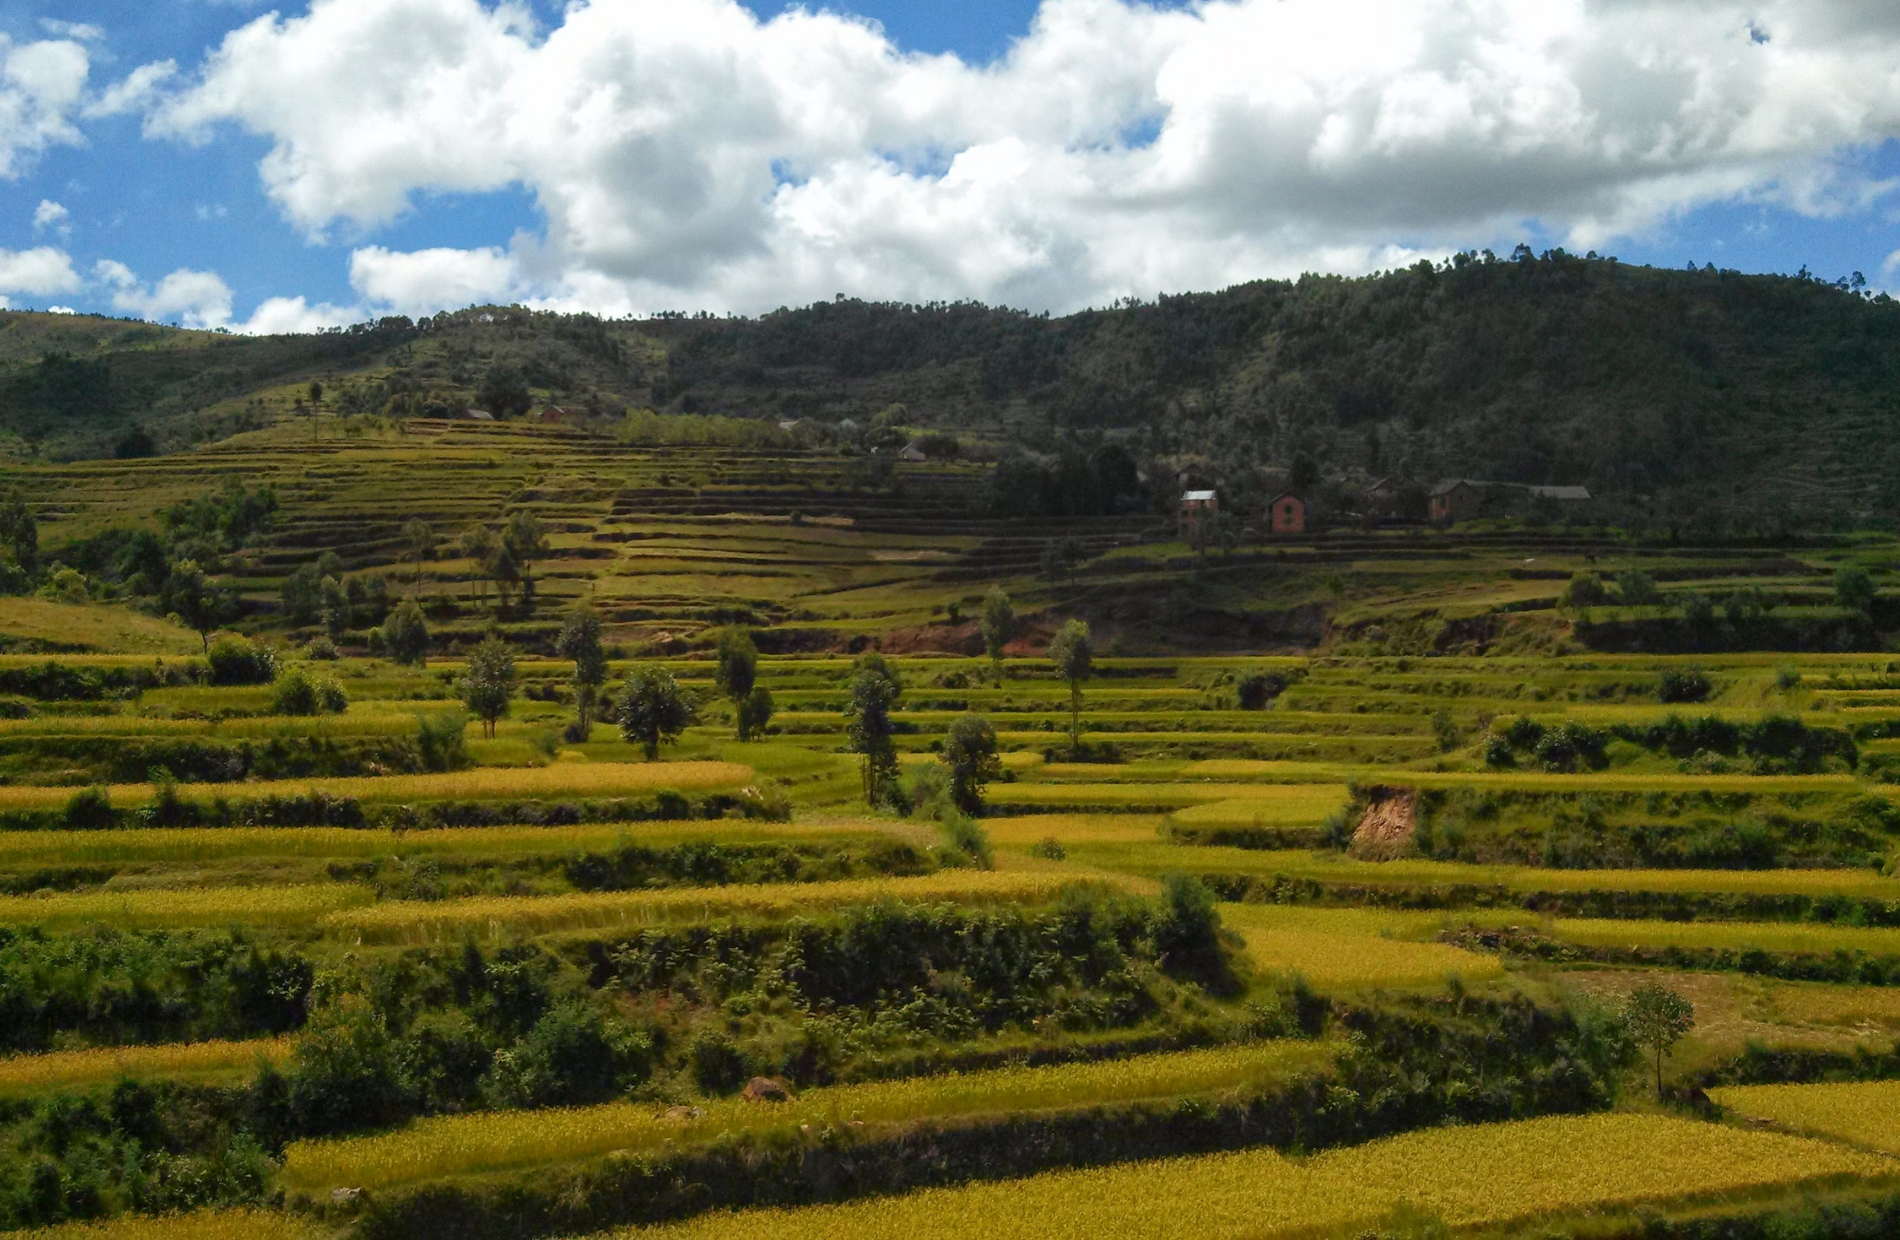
(27, 1074)
(1484, 1174)
(501, 1140)
(1864, 1112)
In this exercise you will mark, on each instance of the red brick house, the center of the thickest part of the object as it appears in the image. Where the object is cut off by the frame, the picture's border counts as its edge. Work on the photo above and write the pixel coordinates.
(1287, 514)
(1196, 503)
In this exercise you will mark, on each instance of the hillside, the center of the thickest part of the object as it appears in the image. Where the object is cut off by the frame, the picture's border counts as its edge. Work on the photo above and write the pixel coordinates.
(1753, 403)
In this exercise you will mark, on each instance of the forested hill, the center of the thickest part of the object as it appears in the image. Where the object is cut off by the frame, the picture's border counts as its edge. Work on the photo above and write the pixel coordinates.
(1700, 389)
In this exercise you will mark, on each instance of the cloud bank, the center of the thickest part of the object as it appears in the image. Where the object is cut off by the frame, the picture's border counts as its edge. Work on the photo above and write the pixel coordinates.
(685, 154)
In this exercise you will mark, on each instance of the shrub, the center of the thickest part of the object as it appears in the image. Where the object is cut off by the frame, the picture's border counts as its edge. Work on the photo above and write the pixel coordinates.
(1683, 685)
(1444, 731)
(1585, 590)
(1497, 751)
(1636, 588)
(1257, 690)
(320, 647)
(1049, 848)
(1787, 677)
(297, 693)
(237, 661)
(570, 1057)
(440, 738)
(90, 809)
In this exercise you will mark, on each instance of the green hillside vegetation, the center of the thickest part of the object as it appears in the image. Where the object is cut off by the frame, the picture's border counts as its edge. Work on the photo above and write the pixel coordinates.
(1702, 398)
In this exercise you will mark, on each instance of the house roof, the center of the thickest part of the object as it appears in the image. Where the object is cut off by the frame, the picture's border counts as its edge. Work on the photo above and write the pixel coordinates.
(480, 415)
(1380, 484)
(1294, 495)
(1452, 484)
(1568, 493)
(1190, 497)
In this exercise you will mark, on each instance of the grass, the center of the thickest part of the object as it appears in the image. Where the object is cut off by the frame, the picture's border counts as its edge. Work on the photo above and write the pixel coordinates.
(1335, 949)
(198, 845)
(1866, 1113)
(198, 1225)
(25, 1075)
(93, 626)
(1463, 1177)
(1793, 938)
(415, 922)
(562, 781)
(1332, 867)
(279, 906)
(498, 1141)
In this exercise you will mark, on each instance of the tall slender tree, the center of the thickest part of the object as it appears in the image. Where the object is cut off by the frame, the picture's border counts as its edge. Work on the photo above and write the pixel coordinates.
(1072, 650)
(999, 626)
(580, 641)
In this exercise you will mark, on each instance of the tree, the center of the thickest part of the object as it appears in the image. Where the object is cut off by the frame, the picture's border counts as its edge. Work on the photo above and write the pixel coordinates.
(969, 750)
(316, 393)
(199, 601)
(419, 539)
(488, 682)
(526, 540)
(333, 604)
(1585, 590)
(1657, 1018)
(480, 545)
(755, 712)
(502, 392)
(20, 532)
(867, 718)
(1636, 588)
(1854, 588)
(736, 674)
(406, 635)
(1072, 650)
(999, 626)
(654, 709)
(302, 601)
(580, 641)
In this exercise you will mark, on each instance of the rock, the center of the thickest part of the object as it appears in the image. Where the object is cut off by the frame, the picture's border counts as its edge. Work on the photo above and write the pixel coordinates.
(684, 1115)
(765, 1089)
(345, 1196)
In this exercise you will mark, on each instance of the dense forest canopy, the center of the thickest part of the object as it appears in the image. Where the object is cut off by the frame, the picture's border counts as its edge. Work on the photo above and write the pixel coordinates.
(1692, 388)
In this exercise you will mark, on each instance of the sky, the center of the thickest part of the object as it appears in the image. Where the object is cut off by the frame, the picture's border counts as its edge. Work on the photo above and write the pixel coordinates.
(223, 163)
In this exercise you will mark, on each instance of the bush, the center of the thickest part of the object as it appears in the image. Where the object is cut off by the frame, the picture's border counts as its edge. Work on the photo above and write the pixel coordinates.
(1256, 690)
(1683, 685)
(320, 647)
(1497, 752)
(298, 694)
(570, 1057)
(1787, 677)
(440, 738)
(90, 809)
(1585, 590)
(237, 661)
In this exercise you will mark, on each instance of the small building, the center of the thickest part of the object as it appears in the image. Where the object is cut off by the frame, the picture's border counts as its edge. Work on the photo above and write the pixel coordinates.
(555, 415)
(1287, 514)
(1195, 504)
(478, 415)
(788, 425)
(1459, 499)
(913, 452)
(1562, 495)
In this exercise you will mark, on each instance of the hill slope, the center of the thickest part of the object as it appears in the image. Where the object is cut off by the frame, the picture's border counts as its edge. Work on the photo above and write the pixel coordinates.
(1752, 398)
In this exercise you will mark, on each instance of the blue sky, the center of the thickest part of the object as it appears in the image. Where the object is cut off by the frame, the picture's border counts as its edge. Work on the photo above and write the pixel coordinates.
(160, 202)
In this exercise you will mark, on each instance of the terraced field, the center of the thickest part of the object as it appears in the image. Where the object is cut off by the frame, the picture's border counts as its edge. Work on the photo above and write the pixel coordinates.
(1342, 863)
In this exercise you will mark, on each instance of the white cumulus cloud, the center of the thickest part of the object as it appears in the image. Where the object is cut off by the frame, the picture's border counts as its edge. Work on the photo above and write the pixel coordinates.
(187, 297)
(41, 86)
(685, 153)
(50, 214)
(424, 281)
(279, 315)
(38, 272)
